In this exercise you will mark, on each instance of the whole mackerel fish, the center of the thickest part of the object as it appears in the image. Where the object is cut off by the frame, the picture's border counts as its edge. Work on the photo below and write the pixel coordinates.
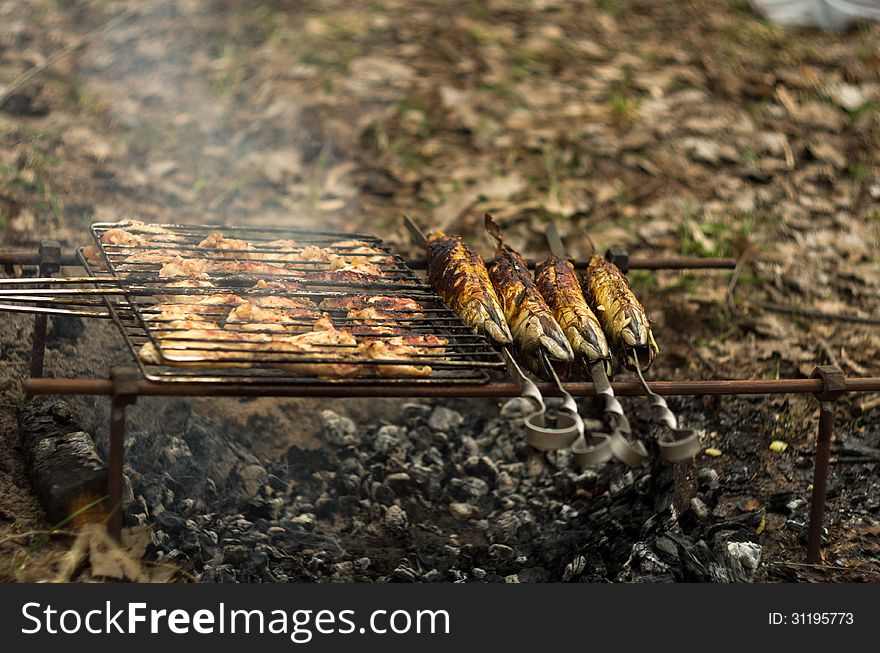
(457, 272)
(622, 316)
(558, 284)
(539, 339)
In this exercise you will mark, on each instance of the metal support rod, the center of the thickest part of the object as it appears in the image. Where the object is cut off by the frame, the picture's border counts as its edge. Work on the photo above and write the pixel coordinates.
(114, 468)
(683, 263)
(50, 263)
(28, 258)
(495, 389)
(124, 381)
(820, 482)
(834, 384)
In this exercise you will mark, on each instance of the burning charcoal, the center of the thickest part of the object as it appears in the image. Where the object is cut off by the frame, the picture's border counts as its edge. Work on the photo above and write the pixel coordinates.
(431, 576)
(500, 552)
(170, 522)
(707, 479)
(413, 412)
(404, 573)
(305, 520)
(512, 524)
(463, 511)
(445, 419)
(574, 569)
(744, 557)
(398, 481)
(388, 439)
(481, 467)
(336, 427)
(517, 408)
(382, 493)
(395, 519)
(468, 446)
(700, 510)
(468, 489)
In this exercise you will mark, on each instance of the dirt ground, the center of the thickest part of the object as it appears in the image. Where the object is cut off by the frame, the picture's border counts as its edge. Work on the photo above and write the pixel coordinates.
(690, 127)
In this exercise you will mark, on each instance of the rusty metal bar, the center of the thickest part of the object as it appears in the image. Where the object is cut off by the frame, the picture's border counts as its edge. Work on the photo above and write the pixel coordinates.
(116, 459)
(49, 261)
(34, 258)
(820, 483)
(124, 386)
(679, 263)
(834, 384)
(494, 389)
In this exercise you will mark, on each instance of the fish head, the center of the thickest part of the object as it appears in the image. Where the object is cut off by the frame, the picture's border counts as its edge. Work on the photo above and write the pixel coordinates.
(496, 334)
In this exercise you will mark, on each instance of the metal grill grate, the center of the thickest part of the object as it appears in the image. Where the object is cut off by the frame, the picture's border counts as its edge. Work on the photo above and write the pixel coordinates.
(241, 305)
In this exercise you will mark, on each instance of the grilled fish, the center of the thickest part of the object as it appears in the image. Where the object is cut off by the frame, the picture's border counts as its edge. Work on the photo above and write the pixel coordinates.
(459, 276)
(538, 337)
(558, 284)
(622, 316)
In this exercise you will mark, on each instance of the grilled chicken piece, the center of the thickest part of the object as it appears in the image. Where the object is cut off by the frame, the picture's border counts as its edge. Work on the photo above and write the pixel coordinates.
(538, 337)
(366, 309)
(357, 251)
(196, 342)
(404, 347)
(280, 297)
(192, 306)
(184, 267)
(622, 316)
(356, 273)
(324, 340)
(558, 284)
(249, 316)
(183, 298)
(139, 234)
(457, 273)
(379, 302)
(123, 237)
(275, 251)
(244, 267)
(225, 247)
(92, 254)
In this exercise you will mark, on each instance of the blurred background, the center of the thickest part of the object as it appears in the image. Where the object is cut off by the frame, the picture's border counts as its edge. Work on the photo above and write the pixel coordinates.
(688, 127)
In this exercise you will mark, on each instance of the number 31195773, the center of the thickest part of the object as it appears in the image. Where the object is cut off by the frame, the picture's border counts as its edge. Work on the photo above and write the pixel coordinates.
(810, 618)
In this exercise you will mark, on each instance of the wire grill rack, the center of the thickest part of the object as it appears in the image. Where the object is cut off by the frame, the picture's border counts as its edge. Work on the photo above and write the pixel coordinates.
(232, 303)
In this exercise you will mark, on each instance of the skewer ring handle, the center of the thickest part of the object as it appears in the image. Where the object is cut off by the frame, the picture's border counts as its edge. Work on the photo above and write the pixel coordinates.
(681, 444)
(596, 453)
(566, 430)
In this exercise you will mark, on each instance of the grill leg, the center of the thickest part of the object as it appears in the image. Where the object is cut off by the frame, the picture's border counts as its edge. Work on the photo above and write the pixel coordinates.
(820, 482)
(114, 473)
(38, 348)
(835, 384)
(50, 263)
(124, 393)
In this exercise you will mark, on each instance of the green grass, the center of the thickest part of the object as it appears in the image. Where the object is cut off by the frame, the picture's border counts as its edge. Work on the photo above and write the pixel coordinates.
(641, 281)
(624, 108)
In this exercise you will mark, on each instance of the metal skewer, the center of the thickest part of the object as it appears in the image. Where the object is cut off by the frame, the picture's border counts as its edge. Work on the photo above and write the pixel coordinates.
(569, 426)
(631, 454)
(679, 444)
(46, 310)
